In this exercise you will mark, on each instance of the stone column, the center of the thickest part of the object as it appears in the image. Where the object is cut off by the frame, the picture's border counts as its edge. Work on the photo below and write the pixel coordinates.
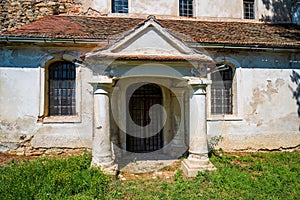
(198, 147)
(102, 150)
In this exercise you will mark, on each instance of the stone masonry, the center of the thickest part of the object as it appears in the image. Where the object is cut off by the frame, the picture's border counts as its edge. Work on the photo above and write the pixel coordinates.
(14, 14)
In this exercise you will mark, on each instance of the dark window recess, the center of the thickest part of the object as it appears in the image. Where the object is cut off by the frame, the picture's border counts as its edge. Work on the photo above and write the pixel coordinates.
(186, 8)
(62, 89)
(120, 6)
(248, 9)
(221, 92)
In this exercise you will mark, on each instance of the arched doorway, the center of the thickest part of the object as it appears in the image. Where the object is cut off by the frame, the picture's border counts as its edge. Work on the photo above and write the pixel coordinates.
(140, 102)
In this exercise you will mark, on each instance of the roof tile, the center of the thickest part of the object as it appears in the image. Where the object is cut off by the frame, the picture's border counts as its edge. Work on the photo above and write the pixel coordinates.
(236, 33)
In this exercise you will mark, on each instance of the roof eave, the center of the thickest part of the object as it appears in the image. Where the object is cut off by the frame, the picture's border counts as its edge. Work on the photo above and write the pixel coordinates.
(244, 46)
(192, 44)
(49, 40)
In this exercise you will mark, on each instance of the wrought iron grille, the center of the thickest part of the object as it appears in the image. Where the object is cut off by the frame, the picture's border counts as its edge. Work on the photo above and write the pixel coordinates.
(249, 9)
(186, 8)
(120, 6)
(221, 92)
(139, 106)
(62, 89)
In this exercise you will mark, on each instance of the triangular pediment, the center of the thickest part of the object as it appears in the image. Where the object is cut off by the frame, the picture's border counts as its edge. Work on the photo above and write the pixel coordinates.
(150, 38)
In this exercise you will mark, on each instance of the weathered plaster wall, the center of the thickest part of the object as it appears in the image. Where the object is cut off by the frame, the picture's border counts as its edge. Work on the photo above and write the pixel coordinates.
(162, 7)
(103, 7)
(219, 9)
(267, 115)
(21, 89)
(269, 119)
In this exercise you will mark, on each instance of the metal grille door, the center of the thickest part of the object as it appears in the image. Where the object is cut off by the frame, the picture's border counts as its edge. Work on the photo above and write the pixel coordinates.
(140, 103)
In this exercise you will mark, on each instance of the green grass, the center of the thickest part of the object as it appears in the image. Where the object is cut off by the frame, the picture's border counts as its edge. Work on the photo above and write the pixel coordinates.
(65, 178)
(251, 176)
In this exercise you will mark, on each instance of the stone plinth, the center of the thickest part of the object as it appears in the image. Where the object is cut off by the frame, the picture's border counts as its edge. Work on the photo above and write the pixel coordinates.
(193, 164)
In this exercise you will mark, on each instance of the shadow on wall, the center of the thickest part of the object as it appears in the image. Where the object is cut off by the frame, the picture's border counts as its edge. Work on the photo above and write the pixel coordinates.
(295, 77)
(283, 10)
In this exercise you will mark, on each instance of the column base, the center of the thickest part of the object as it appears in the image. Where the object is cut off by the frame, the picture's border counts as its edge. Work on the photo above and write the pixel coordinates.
(194, 163)
(109, 168)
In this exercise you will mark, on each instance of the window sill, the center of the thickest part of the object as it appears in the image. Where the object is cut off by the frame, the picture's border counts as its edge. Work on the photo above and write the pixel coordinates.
(224, 118)
(62, 119)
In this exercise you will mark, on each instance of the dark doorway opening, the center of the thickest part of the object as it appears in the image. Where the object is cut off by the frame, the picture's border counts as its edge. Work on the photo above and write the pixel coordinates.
(140, 102)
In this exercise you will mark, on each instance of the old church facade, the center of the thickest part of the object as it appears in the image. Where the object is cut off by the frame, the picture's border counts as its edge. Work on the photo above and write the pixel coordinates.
(142, 81)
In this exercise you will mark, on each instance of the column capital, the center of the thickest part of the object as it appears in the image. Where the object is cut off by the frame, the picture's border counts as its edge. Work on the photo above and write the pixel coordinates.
(103, 89)
(100, 91)
(199, 89)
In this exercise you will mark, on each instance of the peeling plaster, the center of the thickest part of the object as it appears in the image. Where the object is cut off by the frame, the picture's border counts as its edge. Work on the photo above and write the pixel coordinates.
(260, 96)
(17, 130)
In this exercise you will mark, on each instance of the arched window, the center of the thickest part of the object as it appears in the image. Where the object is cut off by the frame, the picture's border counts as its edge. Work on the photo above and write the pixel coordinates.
(222, 90)
(61, 89)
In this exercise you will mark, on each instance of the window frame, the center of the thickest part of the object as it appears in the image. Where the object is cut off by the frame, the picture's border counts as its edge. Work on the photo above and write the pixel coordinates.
(189, 12)
(225, 86)
(234, 116)
(249, 4)
(62, 88)
(46, 118)
(122, 6)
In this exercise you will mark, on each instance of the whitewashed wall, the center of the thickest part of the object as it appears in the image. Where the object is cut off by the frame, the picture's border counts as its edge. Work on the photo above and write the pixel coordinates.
(266, 119)
(21, 102)
(267, 115)
(203, 9)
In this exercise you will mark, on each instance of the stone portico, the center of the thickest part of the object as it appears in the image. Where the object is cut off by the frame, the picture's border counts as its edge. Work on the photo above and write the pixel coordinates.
(159, 69)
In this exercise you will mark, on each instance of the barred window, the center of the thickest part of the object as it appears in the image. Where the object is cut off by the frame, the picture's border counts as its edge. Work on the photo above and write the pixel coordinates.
(221, 91)
(248, 9)
(120, 6)
(62, 89)
(186, 8)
